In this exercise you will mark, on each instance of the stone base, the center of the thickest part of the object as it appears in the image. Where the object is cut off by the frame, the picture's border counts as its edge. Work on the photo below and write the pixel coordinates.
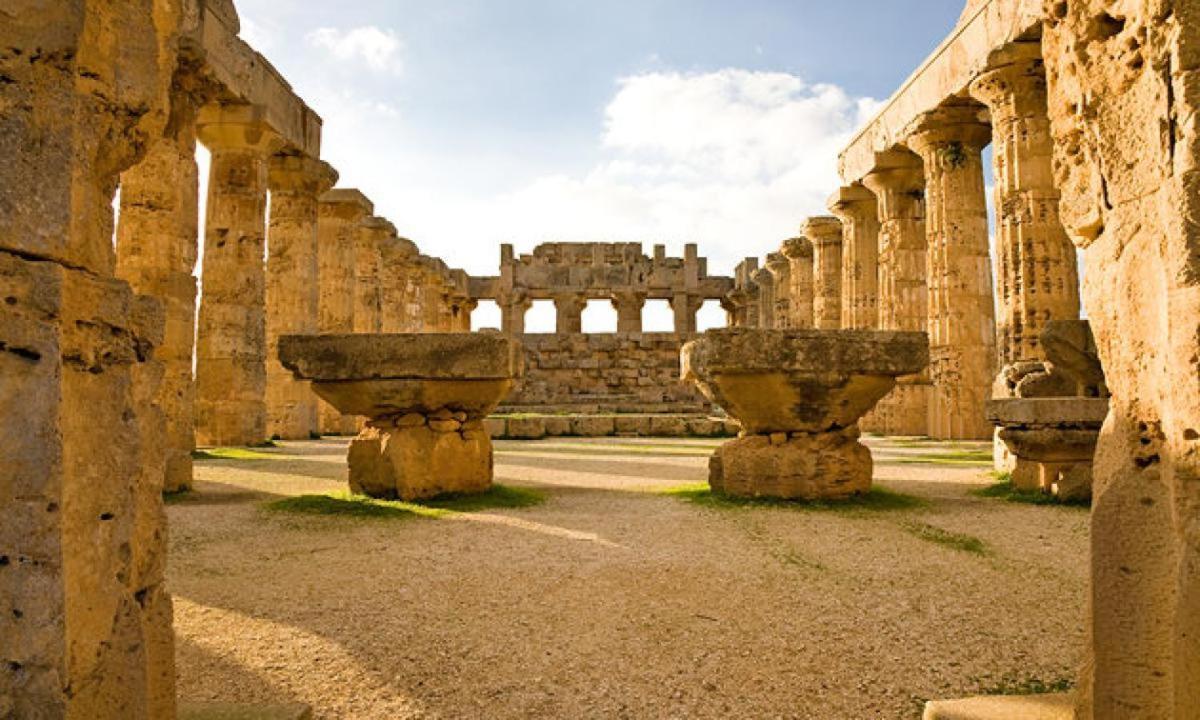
(1025, 707)
(796, 466)
(421, 462)
(228, 711)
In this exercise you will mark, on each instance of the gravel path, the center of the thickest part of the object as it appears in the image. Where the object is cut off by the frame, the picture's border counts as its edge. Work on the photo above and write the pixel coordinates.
(612, 600)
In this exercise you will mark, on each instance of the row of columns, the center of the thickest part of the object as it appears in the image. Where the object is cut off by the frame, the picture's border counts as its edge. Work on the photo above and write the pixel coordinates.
(907, 249)
(569, 307)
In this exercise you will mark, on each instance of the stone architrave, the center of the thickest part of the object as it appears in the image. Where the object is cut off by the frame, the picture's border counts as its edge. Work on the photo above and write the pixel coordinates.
(858, 209)
(898, 182)
(293, 287)
(157, 249)
(629, 306)
(231, 346)
(1036, 270)
(425, 397)
(798, 395)
(799, 252)
(85, 628)
(1123, 98)
(568, 310)
(339, 214)
(825, 234)
(961, 320)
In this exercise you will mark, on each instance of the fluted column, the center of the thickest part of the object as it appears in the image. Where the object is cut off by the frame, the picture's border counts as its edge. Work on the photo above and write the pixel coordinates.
(799, 252)
(858, 210)
(899, 184)
(961, 320)
(157, 247)
(685, 307)
(231, 348)
(568, 310)
(374, 234)
(1037, 274)
(629, 311)
(825, 234)
(765, 306)
(339, 214)
(781, 280)
(293, 295)
(398, 255)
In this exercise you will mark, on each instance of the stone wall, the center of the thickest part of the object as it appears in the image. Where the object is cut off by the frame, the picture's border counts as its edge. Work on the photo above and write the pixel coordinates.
(621, 372)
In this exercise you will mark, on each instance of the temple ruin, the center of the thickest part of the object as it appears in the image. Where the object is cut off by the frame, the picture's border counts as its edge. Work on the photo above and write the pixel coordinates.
(116, 361)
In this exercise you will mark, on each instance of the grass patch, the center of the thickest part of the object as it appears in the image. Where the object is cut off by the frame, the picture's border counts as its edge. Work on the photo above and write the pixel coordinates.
(877, 500)
(946, 538)
(178, 497)
(1003, 489)
(953, 457)
(1013, 685)
(559, 448)
(231, 454)
(363, 507)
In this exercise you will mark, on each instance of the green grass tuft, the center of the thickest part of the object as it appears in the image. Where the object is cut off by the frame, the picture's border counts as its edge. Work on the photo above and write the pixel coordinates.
(953, 540)
(231, 454)
(1003, 489)
(952, 457)
(877, 500)
(361, 506)
(1012, 685)
(178, 497)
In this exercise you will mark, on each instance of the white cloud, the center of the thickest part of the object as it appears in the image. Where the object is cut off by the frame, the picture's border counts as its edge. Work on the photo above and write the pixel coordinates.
(378, 48)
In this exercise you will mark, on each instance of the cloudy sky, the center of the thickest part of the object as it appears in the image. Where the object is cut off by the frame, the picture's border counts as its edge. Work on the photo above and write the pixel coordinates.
(476, 122)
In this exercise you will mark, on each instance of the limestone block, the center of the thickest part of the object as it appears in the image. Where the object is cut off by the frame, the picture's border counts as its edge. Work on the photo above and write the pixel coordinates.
(807, 466)
(668, 426)
(705, 427)
(448, 356)
(419, 463)
(584, 426)
(632, 425)
(558, 426)
(495, 427)
(526, 428)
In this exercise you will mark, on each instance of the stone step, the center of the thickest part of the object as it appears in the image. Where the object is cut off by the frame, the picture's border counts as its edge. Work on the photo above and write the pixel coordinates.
(1057, 706)
(232, 711)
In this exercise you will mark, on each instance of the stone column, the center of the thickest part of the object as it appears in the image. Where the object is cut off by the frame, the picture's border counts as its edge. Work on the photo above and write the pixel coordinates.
(85, 622)
(1037, 275)
(685, 307)
(858, 209)
(231, 347)
(512, 312)
(374, 234)
(339, 214)
(157, 247)
(898, 182)
(799, 252)
(398, 254)
(629, 311)
(293, 293)
(464, 308)
(961, 321)
(1123, 106)
(765, 307)
(781, 280)
(825, 234)
(568, 309)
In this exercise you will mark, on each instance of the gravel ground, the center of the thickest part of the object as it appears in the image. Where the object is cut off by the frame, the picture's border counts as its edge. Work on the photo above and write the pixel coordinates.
(613, 600)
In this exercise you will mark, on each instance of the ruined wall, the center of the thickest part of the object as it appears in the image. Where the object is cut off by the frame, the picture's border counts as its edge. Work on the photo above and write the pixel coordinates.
(621, 372)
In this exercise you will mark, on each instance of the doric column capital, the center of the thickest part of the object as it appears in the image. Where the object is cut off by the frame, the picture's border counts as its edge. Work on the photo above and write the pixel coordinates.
(573, 302)
(380, 229)
(293, 173)
(763, 277)
(778, 265)
(797, 248)
(896, 172)
(346, 203)
(822, 230)
(236, 127)
(627, 298)
(1014, 83)
(938, 134)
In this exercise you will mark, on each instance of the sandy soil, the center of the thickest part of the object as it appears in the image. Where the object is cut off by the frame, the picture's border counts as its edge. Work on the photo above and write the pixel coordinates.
(613, 600)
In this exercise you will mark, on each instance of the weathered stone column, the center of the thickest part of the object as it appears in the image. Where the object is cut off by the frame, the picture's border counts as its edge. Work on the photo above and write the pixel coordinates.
(799, 252)
(685, 307)
(825, 234)
(781, 280)
(432, 294)
(1123, 106)
(339, 214)
(374, 234)
(398, 254)
(231, 347)
(464, 307)
(858, 209)
(157, 247)
(512, 312)
(629, 311)
(962, 321)
(293, 292)
(85, 627)
(898, 182)
(568, 310)
(764, 308)
(1037, 275)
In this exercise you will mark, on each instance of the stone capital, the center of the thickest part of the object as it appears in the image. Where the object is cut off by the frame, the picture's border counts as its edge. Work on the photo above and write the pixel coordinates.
(570, 301)
(292, 173)
(347, 203)
(763, 277)
(797, 248)
(1015, 80)
(236, 127)
(628, 297)
(777, 263)
(938, 132)
(852, 201)
(896, 172)
(822, 230)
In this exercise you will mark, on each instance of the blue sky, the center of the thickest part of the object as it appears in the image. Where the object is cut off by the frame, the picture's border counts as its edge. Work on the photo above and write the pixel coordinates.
(476, 122)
